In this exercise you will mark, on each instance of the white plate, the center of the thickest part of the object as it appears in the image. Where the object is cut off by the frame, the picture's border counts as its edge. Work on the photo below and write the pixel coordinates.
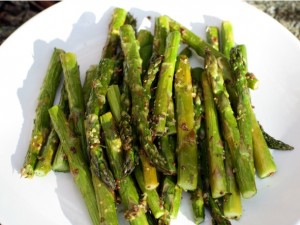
(81, 28)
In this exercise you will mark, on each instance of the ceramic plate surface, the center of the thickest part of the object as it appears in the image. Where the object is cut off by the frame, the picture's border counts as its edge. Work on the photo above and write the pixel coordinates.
(81, 27)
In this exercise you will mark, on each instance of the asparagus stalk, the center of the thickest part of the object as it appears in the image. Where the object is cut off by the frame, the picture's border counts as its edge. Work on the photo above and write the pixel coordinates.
(128, 136)
(41, 128)
(240, 157)
(149, 173)
(114, 100)
(197, 92)
(165, 83)
(214, 205)
(43, 165)
(91, 74)
(171, 196)
(274, 143)
(232, 204)
(244, 106)
(78, 165)
(161, 31)
(60, 161)
(186, 51)
(139, 114)
(145, 40)
(227, 38)
(153, 199)
(167, 145)
(75, 97)
(94, 107)
(252, 80)
(198, 203)
(186, 137)
(117, 20)
(128, 193)
(215, 150)
(212, 36)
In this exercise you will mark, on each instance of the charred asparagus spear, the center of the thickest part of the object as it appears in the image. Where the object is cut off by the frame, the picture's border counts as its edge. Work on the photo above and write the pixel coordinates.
(42, 123)
(133, 63)
(187, 155)
(78, 165)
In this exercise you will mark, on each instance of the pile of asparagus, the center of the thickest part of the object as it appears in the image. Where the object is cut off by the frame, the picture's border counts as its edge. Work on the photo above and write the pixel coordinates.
(146, 126)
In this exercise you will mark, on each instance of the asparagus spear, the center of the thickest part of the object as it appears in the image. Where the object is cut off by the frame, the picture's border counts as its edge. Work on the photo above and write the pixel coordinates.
(275, 144)
(171, 196)
(212, 36)
(133, 63)
(117, 20)
(78, 165)
(244, 106)
(94, 107)
(165, 83)
(42, 125)
(186, 137)
(161, 31)
(128, 193)
(91, 73)
(252, 80)
(114, 100)
(128, 136)
(227, 38)
(60, 161)
(153, 199)
(240, 157)
(75, 97)
(214, 205)
(145, 40)
(215, 150)
(232, 204)
(186, 51)
(167, 145)
(149, 173)
(43, 165)
(198, 202)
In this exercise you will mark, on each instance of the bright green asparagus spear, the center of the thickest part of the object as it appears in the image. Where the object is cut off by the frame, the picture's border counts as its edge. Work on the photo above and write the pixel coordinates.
(215, 150)
(153, 199)
(212, 36)
(167, 145)
(263, 160)
(78, 165)
(43, 166)
(94, 107)
(232, 204)
(193, 40)
(241, 158)
(186, 138)
(274, 143)
(252, 80)
(145, 40)
(128, 193)
(227, 38)
(91, 74)
(42, 125)
(75, 97)
(161, 32)
(117, 20)
(244, 107)
(165, 83)
(133, 63)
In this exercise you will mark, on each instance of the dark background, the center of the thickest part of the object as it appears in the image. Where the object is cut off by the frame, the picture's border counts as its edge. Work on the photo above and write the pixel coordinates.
(14, 13)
